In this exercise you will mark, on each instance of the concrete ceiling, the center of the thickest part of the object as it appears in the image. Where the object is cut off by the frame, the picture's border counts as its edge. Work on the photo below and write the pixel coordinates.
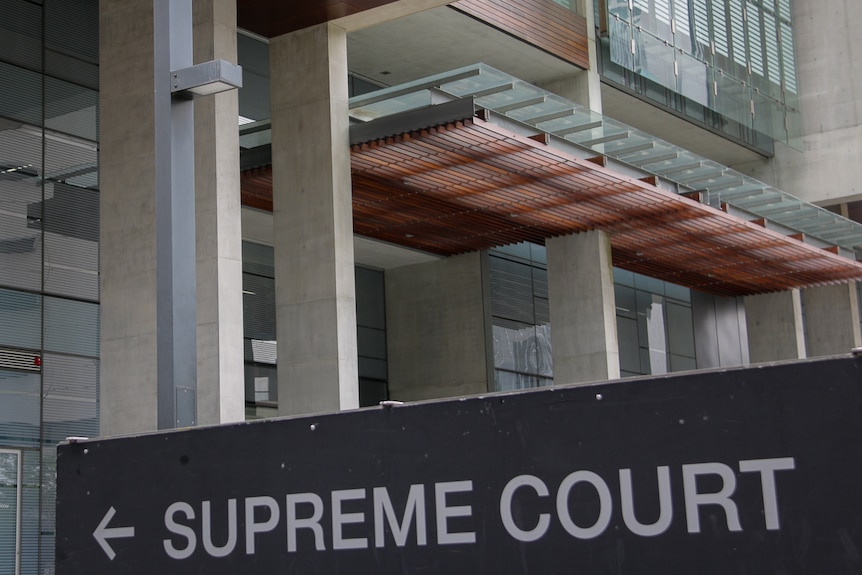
(257, 228)
(443, 39)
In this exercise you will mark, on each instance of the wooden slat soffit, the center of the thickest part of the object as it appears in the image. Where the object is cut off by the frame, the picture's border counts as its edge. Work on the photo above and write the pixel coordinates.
(541, 23)
(471, 185)
(272, 18)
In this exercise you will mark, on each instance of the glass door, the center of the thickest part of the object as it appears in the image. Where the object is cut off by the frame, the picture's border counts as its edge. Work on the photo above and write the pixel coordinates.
(10, 511)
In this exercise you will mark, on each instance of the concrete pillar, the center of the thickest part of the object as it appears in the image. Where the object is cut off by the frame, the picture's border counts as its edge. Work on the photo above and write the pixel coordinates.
(831, 319)
(312, 220)
(127, 205)
(436, 320)
(221, 388)
(775, 327)
(583, 312)
(128, 376)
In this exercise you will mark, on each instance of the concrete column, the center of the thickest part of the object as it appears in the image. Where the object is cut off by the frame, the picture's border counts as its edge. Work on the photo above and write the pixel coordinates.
(436, 334)
(312, 220)
(128, 224)
(775, 327)
(128, 379)
(583, 313)
(221, 389)
(831, 319)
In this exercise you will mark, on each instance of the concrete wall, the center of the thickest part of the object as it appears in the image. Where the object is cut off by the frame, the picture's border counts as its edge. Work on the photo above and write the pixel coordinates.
(828, 45)
(775, 326)
(436, 325)
(831, 319)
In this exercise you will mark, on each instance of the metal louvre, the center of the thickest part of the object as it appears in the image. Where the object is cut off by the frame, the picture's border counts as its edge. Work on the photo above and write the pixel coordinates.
(19, 359)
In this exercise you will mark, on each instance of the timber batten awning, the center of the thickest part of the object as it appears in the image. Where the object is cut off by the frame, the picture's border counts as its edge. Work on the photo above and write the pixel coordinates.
(471, 185)
(473, 159)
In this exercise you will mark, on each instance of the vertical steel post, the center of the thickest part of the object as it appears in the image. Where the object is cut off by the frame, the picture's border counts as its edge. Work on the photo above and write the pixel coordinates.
(175, 219)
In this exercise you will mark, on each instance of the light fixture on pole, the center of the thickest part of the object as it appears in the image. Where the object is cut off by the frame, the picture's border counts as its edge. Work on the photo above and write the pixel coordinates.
(206, 79)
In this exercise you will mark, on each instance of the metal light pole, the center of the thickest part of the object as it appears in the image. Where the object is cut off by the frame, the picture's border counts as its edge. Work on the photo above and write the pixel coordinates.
(177, 83)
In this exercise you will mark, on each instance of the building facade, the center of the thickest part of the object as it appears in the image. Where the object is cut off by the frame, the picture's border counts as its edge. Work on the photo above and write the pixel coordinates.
(417, 200)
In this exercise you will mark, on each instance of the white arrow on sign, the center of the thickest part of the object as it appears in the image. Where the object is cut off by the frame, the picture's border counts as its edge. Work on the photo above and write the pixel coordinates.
(103, 533)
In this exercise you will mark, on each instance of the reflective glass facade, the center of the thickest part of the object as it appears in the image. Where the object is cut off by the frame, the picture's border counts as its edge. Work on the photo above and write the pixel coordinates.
(732, 57)
(49, 261)
(521, 317)
(655, 325)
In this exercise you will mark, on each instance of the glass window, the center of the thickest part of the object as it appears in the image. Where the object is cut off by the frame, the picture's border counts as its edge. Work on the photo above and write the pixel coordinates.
(370, 298)
(71, 109)
(19, 408)
(20, 94)
(82, 16)
(521, 317)
(258, 297)
(20, 319)
(32, 540)
(654, 325)
(70, 403)
(21, 34)
(372, 391)
(261, 383)
(71, 327)
(20, 197)
(253, 56)
(371, 336)
(70, 220)
(10, 511)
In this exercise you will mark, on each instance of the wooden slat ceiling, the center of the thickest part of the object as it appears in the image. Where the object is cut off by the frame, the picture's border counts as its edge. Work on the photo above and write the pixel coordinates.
(542, 23)
(473, 185)
(272, 18)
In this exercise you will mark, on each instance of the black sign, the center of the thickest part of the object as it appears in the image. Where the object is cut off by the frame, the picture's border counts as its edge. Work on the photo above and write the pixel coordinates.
(744, 471)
